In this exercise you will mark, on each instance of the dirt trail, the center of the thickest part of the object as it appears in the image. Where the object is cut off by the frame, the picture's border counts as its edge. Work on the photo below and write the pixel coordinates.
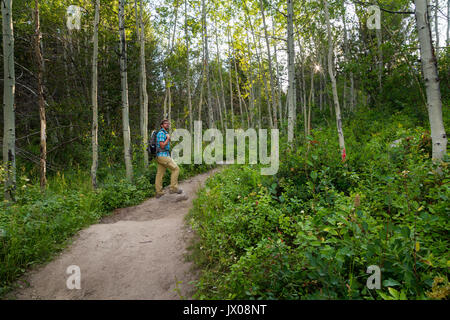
(137, 253)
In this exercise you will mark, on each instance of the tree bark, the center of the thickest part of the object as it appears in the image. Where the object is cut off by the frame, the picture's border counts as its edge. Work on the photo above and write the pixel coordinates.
(94, 98)
(219, 66)
(231, 80)
(239, 90)
(291, 71)
(430, 75)
(333, 84)
(436, 27)
(448, 23)
(124, 83)
(143, 76)
(9, 86)
(380, 59)
(188, 76)
(208, 83)
(42, 117)
(277, 75)
(269, 59)
(250, 79)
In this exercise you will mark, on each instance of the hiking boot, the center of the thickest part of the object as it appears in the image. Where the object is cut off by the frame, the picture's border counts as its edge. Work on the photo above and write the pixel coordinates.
(178, 191)
(159, 194)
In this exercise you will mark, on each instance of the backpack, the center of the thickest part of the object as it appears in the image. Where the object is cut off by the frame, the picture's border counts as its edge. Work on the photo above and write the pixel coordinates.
(153, 147)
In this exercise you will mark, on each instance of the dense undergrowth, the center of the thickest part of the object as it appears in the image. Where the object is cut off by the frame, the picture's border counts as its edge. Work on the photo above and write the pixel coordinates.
(38, 225)
(312, 230)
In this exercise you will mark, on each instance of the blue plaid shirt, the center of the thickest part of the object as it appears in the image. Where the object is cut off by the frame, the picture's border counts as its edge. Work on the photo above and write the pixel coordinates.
(161, 137)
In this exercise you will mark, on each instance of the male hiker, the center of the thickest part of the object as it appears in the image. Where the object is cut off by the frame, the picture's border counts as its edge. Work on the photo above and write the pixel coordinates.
(165, 161)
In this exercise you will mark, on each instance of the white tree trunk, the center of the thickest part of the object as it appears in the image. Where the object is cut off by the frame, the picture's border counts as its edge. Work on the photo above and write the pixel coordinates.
(430, 75)
(448, 22)
(269, 59)
(436, 27)
(250, 80)
(124, 82)
(219, 66)
(380, 59)
(43, 120)
(9, 86)
(94, 98)
(231, 81)
(208, 81)
(188, 76)
(239, 90)
(141, 98)
(277, 75)
(291, 71)
(333, 84)
(143, 76)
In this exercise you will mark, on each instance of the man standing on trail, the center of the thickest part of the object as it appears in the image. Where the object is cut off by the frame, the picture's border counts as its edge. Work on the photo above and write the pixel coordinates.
(165, 161)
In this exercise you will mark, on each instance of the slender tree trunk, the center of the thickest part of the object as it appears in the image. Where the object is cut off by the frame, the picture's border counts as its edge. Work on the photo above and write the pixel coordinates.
(250, 80)
(239, 90)
(352, 92)
(169, 94)
(291, 71)
(124, 81)
(333, 84)
(9, 86)
(261, 72)
(219, 108)
(188, 67)
(346, 55)
(200, 102)
(430, 75)
(448, 23)
(231, 80)
(43, 121)
(380, 59)
(141, 97)
(143, 76)
(266, 88)
(165, 101)
(277, 75)
(303, 93)
(208, 82)
(94, 98)
(436, 27)
(310, 100)
(219, 66)
(174, 25)
(269, 60)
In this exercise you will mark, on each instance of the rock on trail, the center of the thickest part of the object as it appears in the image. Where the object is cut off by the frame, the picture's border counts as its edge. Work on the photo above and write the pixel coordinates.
(136, 253)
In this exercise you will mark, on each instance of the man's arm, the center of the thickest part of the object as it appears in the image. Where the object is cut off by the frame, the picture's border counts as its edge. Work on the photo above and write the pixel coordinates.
(163, 144)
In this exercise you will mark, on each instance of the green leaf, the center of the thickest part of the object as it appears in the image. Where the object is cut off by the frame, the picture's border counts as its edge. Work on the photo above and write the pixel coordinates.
(390, 283)
(394, 293)
(385, 296)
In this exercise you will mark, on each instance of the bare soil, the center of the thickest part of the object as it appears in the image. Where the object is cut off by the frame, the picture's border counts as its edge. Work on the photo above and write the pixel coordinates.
(136, 253)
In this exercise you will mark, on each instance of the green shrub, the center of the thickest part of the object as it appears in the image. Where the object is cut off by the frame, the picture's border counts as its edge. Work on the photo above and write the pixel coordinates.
(311, 231)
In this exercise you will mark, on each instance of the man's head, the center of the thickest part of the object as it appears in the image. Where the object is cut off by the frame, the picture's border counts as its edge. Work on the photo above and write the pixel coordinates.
(165, 124)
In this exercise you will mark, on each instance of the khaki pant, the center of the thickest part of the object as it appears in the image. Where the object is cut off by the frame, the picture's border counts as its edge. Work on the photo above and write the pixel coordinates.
(163, 163)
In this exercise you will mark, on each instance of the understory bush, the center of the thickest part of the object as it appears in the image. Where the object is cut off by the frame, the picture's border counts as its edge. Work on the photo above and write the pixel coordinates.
(312, 230)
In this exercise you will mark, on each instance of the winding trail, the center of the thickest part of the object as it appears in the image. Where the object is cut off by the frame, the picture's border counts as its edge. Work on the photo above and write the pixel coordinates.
(136, 253)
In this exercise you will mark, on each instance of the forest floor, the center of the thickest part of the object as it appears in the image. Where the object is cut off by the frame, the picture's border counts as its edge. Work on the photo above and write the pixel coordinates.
(136, 253)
